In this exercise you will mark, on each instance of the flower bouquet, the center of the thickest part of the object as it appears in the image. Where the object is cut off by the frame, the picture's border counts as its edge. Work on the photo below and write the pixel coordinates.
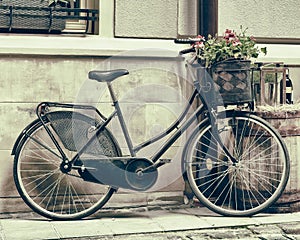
(227, 59)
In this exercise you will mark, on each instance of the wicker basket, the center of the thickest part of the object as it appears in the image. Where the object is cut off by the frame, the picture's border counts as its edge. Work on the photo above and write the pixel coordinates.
(37, 18)
(232, 81)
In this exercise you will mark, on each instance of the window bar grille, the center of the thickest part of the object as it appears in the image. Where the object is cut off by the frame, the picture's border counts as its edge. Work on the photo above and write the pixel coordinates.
(91, 16)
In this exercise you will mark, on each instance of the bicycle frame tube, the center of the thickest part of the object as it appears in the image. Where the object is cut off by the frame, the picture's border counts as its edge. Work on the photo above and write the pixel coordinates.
(172, 139)
(121, 119)
(133, 150)
(124, 129)
(171, 128)
(116, 113)
(178, 133)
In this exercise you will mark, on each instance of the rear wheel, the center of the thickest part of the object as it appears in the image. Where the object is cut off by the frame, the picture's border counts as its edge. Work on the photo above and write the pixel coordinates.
(40, 179)
(247, 186)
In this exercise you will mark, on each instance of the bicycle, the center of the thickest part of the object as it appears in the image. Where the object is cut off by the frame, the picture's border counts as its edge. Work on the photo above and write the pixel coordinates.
(234, 161)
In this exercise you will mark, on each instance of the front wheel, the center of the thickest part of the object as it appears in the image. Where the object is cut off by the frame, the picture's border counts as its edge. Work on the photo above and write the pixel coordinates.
(39, 178)
(243, 187)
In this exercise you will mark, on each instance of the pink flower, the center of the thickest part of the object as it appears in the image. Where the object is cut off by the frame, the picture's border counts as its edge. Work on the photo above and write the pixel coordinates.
(236, 43)
(229, 35)
(199, 44)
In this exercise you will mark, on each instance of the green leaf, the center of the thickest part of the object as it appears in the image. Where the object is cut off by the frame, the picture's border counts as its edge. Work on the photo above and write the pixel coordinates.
(264, 50)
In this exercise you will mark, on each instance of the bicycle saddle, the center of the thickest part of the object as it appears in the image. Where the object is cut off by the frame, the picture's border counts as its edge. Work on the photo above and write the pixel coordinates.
(107, 76)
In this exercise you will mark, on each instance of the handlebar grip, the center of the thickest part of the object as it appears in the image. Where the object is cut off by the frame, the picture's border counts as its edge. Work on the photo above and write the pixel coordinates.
(182, 41)
(189, 50)
(188, 40)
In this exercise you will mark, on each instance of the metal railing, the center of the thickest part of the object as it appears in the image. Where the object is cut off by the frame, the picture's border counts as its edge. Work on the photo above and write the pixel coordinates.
(271, 92)
(51, 20)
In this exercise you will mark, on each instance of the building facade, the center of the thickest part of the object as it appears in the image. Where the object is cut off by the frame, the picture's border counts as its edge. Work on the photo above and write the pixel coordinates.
(137, 35)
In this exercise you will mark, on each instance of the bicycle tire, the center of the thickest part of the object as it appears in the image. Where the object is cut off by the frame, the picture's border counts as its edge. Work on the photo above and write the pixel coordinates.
(247, 187)
(44, 187)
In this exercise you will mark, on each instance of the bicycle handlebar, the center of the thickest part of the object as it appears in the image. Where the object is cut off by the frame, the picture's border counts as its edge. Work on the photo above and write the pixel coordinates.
(188, 40)
(191, 41)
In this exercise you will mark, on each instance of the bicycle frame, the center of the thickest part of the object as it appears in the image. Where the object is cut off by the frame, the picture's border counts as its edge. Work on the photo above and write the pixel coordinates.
(118, 113)
(180, 130)
(208, 105)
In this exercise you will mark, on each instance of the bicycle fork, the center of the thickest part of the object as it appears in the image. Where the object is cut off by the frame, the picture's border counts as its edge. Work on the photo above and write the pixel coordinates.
(208, 98)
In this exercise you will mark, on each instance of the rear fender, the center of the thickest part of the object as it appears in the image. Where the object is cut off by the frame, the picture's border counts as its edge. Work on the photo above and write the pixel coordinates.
(23, 134)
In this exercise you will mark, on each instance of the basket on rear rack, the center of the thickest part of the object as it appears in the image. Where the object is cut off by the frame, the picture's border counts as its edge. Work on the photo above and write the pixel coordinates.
(75, 130)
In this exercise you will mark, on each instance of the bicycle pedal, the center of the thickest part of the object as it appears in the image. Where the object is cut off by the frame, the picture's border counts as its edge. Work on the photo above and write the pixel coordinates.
(165, 160)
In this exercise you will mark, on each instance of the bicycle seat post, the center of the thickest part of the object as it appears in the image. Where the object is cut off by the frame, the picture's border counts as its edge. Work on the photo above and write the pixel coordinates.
(121, 119)
(112, 93)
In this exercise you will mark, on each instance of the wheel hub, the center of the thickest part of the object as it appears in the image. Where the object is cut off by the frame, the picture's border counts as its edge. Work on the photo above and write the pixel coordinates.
(66, 166)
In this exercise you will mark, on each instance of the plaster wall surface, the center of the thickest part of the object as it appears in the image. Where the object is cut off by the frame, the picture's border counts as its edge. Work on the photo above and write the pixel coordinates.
(151, 97)
(266, 18)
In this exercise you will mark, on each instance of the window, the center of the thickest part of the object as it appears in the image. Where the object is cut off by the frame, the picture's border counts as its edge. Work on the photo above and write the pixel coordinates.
(35, 16)
(82, 16)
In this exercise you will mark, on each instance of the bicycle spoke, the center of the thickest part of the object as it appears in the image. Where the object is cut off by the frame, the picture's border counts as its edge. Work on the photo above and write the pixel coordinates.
(44, 146)
(223, 191)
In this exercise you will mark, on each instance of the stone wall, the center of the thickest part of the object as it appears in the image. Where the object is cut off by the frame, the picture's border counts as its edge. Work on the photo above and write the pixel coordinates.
(151, 97)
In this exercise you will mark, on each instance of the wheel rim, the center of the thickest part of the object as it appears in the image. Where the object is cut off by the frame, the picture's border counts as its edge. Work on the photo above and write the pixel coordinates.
(247, 187)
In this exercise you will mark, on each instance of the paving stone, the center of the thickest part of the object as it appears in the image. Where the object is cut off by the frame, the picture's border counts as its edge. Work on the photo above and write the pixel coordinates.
(273, 237)
(198, 237)
(177, 221)
(219, 222)
(265, 229)
(294, 237)
(26, 229)
(226, 233)
(291, 228)
(221, 236)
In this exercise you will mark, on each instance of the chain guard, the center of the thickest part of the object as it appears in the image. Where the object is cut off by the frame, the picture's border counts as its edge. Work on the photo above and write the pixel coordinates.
(125, 174)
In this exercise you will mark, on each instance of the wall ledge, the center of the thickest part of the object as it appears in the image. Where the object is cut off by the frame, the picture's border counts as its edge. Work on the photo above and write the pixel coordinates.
(287, 53)
(85, 46)
(95, 46)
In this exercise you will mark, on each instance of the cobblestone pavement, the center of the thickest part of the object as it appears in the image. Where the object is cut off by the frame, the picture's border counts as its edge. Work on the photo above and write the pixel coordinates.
(283, 231)
(181, 223)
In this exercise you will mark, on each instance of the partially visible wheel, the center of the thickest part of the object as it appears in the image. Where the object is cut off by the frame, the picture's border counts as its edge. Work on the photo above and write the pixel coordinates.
(249, 185)
(48, 189)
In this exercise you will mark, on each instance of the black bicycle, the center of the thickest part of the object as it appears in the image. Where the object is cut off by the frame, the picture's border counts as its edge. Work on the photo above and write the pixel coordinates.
(68, 164)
